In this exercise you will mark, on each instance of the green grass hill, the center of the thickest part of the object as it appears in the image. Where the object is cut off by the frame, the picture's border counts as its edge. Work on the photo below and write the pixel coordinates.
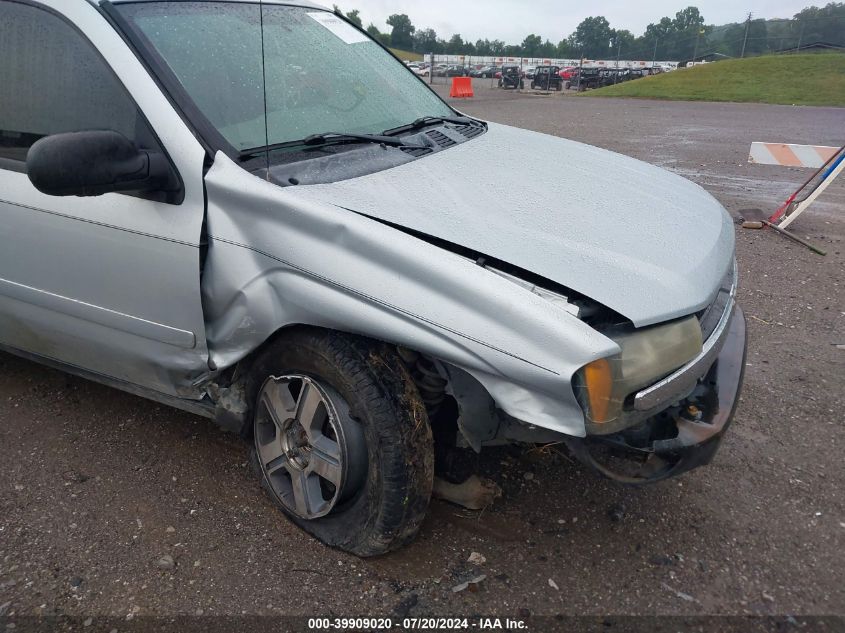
(817, 80)
(406, 55)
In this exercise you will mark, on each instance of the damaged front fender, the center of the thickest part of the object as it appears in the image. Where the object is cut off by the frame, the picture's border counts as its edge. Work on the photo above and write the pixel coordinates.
(276, 260)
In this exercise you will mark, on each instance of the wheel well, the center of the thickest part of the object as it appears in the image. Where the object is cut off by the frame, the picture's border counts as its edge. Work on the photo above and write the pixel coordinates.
(228, 390)
(448, 393)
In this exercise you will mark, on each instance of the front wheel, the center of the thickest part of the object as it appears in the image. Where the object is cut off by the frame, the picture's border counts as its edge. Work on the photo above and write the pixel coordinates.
(342, 442)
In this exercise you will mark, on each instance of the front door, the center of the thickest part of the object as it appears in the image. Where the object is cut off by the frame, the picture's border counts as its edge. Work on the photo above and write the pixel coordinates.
(109, 284)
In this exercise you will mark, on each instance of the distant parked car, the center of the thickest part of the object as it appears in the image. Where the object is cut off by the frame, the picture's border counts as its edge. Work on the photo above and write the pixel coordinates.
(457, 71)
(528, 73)
(485, 72)
(612, 76)
(567, 72)
(423, 70)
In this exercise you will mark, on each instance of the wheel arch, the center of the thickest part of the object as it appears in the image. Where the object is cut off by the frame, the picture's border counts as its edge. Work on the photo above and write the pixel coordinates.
(488, 406)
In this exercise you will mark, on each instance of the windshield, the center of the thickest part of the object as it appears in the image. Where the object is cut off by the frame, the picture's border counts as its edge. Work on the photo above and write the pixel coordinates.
(316, 73)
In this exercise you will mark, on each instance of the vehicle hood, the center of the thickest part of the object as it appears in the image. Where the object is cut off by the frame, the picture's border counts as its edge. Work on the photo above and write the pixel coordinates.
(647, 243)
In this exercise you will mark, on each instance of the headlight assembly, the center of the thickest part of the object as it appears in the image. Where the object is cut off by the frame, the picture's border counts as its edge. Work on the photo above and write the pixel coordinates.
(646, 356)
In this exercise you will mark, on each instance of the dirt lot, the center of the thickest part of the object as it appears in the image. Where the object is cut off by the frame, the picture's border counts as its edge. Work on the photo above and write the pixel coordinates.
(98, 486)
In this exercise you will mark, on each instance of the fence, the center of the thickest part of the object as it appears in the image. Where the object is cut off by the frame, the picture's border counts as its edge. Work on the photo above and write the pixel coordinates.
(485, 71)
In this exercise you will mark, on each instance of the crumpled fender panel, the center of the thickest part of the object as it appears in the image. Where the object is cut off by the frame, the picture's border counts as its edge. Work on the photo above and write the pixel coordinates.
(276, 260)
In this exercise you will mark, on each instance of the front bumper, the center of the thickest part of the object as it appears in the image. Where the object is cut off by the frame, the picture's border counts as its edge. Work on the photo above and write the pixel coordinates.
(682, 437)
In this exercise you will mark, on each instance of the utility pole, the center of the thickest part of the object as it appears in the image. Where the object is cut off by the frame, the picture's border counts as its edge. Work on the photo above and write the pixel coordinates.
(654, 57)
(745, 39)
(618, 55)
(800, 37)
(695, 52)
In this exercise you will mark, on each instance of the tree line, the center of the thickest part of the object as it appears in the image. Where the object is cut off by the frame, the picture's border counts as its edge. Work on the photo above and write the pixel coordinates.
(680, 38)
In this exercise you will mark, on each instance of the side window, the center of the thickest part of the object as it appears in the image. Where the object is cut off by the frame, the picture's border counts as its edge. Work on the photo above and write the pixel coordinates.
(52, 80)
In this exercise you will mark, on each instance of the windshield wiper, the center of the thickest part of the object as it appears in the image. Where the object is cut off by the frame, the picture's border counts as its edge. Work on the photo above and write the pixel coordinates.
(331, 138)
(339, 137)
(423, 121)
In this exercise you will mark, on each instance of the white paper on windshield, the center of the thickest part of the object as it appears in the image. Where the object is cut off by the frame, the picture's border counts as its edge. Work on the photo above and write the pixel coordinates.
(344, 31)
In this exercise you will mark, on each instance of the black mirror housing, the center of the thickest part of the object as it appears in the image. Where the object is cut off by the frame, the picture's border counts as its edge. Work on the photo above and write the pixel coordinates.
(95, 162)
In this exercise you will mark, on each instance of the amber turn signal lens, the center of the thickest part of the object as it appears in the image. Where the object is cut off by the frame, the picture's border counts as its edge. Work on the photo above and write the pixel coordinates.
(598, 379)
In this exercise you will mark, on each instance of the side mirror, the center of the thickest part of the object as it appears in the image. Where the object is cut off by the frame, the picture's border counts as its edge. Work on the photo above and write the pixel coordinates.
(92, 163)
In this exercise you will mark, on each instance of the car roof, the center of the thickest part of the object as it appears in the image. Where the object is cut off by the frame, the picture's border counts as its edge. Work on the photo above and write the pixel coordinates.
(294, 3)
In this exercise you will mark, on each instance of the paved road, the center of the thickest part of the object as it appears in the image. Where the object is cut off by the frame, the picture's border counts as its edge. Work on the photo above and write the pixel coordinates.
(97, 486)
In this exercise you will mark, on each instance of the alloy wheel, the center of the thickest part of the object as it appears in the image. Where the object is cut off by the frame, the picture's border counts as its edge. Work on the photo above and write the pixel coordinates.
(311, 451)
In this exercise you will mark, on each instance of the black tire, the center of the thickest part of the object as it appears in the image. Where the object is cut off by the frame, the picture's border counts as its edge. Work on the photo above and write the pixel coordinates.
(380, 394)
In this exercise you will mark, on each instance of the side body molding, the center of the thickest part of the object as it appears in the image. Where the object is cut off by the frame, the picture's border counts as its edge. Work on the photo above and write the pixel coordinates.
(96, 314)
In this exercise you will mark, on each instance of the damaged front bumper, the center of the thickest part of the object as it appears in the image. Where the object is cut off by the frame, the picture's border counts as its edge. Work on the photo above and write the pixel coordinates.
(681, 437)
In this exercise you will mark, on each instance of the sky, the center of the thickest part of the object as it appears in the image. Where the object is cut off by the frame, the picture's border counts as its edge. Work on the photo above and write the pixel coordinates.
(511, 21)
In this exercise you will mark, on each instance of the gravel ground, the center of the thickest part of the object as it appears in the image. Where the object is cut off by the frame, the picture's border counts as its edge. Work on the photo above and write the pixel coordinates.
(112, 505)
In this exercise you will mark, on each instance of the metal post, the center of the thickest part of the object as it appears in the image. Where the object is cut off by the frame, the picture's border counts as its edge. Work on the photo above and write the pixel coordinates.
(745, 40)
(519, 79)
(580, 70)
(695, 52)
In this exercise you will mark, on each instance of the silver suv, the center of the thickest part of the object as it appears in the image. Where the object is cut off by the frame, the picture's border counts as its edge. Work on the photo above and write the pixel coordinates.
(254, 212)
